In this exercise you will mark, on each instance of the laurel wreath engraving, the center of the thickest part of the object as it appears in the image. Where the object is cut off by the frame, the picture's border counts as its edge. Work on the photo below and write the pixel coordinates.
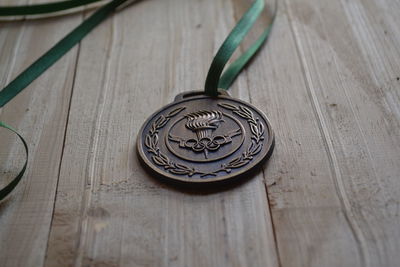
(159, 158)
(257, 130)
(162, 160)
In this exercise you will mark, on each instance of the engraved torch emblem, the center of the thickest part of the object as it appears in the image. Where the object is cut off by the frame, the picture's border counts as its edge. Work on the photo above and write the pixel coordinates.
(204, 123)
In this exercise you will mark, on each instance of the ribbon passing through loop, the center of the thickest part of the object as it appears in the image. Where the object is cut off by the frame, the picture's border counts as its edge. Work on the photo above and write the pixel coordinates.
(214, 78)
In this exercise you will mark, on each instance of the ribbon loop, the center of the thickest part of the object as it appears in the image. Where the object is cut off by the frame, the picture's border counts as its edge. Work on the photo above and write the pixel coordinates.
(11, 185)
(214, 79)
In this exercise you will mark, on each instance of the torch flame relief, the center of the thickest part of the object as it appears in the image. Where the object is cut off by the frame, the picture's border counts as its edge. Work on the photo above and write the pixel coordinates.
(204, 123)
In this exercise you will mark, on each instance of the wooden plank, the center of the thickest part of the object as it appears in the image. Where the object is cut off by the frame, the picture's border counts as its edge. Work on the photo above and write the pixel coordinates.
(110, 212)
(335, 186)
(39, 114)
(364, 121)
(309, 226)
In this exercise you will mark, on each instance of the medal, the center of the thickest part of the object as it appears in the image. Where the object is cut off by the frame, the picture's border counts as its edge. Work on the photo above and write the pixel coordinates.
(209, 136)
(199, 138)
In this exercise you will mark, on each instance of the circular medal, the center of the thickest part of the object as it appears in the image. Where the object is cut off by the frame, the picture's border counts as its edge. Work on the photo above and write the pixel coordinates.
(198, 138)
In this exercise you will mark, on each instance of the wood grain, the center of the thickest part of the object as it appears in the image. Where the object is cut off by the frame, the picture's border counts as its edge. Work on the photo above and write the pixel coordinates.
(328, 80)
(351, 80)
(39, 114)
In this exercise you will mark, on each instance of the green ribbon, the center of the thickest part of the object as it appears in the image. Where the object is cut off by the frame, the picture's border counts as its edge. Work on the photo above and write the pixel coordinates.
(42, 64)
(56, 52)
(43, 8)
(11, 185)
(214, 78)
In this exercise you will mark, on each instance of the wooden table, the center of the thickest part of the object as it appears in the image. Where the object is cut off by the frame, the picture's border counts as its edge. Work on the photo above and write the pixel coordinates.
(329, 196)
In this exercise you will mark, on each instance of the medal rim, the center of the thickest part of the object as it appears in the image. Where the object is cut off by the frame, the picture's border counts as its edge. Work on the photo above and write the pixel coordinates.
(268, 151)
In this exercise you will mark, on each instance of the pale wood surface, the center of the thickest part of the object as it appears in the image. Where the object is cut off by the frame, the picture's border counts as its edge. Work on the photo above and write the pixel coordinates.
(329, 196)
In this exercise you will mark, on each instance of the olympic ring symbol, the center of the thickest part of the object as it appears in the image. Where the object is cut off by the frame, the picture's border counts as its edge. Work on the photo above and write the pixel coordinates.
(212, 144)
(205, 144)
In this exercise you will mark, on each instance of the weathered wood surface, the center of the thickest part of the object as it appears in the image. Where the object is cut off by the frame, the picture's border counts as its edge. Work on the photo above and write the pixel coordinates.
(328, 80)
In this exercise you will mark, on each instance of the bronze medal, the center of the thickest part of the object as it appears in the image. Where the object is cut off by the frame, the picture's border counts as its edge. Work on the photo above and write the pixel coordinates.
(199, 138)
